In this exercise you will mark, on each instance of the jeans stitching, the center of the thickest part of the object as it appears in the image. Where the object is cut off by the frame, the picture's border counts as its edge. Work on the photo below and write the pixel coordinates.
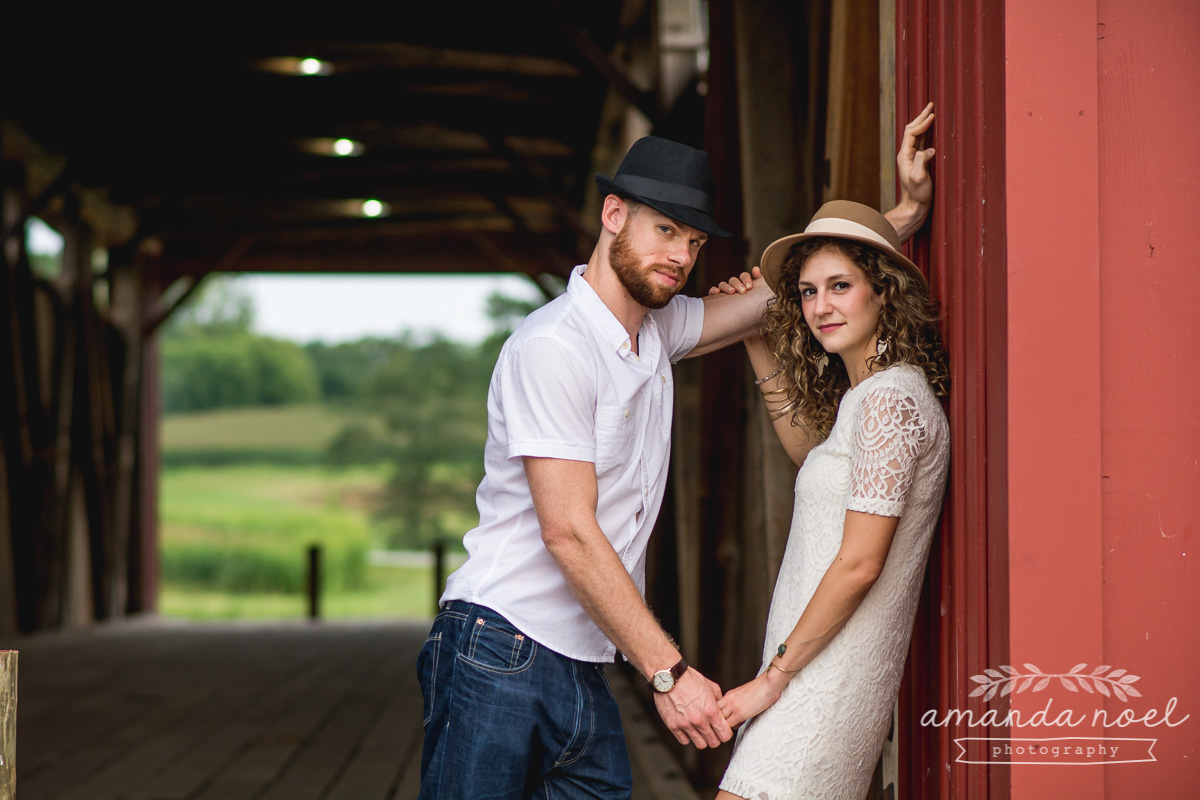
(582, 706)
(591, 709)
(518, 638)
(499, 670)
(476, 629)
(607, 685)
(437, 651)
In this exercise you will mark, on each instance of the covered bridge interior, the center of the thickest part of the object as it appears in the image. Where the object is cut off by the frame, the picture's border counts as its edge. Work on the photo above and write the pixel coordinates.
(463, 140)
(435, 147)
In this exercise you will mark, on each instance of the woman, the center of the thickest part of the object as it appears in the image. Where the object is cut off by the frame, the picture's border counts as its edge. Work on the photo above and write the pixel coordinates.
(850, 366)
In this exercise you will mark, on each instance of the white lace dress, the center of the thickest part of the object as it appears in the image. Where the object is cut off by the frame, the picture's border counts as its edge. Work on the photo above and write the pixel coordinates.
(887, 454)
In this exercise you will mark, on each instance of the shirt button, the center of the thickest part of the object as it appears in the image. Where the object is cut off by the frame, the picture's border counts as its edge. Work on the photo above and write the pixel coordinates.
(664, 378)
(627, 413)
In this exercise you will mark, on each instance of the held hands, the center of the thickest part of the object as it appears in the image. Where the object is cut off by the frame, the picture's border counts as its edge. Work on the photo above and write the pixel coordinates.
(691, 713)
(739, 284)
(916, 187)
(751, 699)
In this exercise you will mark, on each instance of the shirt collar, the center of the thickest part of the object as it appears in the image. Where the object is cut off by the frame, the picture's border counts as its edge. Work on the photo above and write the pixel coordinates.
(609, 329)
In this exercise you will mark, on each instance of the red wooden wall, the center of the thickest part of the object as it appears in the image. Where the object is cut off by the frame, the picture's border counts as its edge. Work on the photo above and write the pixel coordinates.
(1148, 59)
(1064, 247)
(1055, 564)
(1102, 167)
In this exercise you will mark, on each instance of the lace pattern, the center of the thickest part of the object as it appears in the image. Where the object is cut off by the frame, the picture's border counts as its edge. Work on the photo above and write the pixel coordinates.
(888, 454)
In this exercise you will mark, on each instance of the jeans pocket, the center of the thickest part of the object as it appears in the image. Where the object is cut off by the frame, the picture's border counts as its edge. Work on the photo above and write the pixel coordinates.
(498, 648)
(427, 671)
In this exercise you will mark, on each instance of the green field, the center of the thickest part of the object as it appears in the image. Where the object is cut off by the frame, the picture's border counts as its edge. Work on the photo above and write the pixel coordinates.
(307, 428)
(275, 434)
(235, 533)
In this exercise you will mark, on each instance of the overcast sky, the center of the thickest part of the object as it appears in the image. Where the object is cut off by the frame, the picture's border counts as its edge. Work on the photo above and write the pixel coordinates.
(339, 308)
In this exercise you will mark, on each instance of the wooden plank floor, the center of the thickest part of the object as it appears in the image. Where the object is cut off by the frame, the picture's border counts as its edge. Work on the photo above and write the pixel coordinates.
(151, 710)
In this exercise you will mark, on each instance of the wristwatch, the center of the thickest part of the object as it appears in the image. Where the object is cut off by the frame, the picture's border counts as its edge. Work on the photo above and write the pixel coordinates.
(664, 680)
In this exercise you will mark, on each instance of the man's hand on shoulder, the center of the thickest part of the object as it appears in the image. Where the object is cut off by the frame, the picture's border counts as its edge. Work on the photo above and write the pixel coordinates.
(732, 311)
(691, 713)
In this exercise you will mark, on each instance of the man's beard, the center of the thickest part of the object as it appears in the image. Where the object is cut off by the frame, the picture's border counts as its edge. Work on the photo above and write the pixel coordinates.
(638, 282)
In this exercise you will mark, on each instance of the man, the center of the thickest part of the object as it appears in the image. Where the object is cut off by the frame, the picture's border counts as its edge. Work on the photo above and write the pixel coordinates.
(579, 422)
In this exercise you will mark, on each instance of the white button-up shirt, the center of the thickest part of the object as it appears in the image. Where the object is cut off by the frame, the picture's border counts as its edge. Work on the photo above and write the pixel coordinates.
(568, 385)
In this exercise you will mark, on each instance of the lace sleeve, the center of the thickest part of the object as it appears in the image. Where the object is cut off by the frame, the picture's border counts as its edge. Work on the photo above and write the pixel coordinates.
(889, 439)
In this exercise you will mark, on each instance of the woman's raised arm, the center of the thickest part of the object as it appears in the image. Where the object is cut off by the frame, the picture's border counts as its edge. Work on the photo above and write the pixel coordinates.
(797, 440)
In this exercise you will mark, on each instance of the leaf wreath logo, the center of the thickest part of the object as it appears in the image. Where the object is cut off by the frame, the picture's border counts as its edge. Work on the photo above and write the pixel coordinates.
(1008, 679)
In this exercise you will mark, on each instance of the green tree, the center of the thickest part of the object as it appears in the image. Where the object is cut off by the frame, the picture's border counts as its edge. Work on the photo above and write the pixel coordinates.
(435, 418)
(203, 372)
(433, 397)
(346, 370)
(220, 306)
(212, 359)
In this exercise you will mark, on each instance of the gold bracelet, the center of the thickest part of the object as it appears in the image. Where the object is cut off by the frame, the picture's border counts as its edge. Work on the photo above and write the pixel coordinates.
(781, 669)
(769, 392)
(777, 413)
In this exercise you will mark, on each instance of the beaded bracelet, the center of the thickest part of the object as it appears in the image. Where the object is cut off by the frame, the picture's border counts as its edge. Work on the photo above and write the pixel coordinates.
(763, 380)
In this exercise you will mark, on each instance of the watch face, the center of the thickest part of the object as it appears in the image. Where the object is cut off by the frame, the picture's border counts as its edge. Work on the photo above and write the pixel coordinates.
(663, 681)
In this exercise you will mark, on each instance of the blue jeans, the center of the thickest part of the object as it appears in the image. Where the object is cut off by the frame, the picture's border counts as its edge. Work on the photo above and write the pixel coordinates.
(509, 719)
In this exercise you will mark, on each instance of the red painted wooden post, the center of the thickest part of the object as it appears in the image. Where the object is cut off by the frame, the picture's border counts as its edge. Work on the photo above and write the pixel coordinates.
(953, 53)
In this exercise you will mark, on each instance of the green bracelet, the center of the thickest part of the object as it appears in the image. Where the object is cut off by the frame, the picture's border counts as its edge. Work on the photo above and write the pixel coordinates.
(779, 653)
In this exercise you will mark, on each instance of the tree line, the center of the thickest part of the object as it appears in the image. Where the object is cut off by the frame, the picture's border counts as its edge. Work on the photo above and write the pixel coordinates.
(431, 395)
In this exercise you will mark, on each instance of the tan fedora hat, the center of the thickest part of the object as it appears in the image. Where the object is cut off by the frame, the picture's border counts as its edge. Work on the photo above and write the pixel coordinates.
(840, 219)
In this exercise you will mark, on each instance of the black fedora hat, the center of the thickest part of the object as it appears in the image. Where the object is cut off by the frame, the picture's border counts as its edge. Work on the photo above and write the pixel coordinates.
(671, 178)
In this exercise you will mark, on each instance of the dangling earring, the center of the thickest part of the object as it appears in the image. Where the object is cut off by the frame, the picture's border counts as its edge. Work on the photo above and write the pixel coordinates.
(881, 347)
(822, 363)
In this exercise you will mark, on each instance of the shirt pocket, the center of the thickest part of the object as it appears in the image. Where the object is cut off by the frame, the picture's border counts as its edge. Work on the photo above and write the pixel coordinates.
(615, 438)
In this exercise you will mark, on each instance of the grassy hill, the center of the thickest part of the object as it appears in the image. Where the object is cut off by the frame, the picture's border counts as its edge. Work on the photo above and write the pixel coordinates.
(244, 492)
(273, 434)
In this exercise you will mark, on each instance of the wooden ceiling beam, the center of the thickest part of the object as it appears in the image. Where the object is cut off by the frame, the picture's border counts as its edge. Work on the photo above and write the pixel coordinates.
(619, 79)
(350, 57)
(442, 252)
(533, 173)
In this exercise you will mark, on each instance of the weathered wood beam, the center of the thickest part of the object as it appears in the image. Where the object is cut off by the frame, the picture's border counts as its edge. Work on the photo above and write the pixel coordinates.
(8, 724)
(126, 278)
(645, 100)
(218, 218)
(93, 434)
(163, 313)
(226, 263)
(531, 171)
(55, 492)
(440, 252)
(26, 425)
(13, 456)
(542, 244)
(54, 190)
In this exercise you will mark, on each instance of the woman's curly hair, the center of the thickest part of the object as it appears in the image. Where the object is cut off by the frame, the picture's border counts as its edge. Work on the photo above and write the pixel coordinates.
(907, 321)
